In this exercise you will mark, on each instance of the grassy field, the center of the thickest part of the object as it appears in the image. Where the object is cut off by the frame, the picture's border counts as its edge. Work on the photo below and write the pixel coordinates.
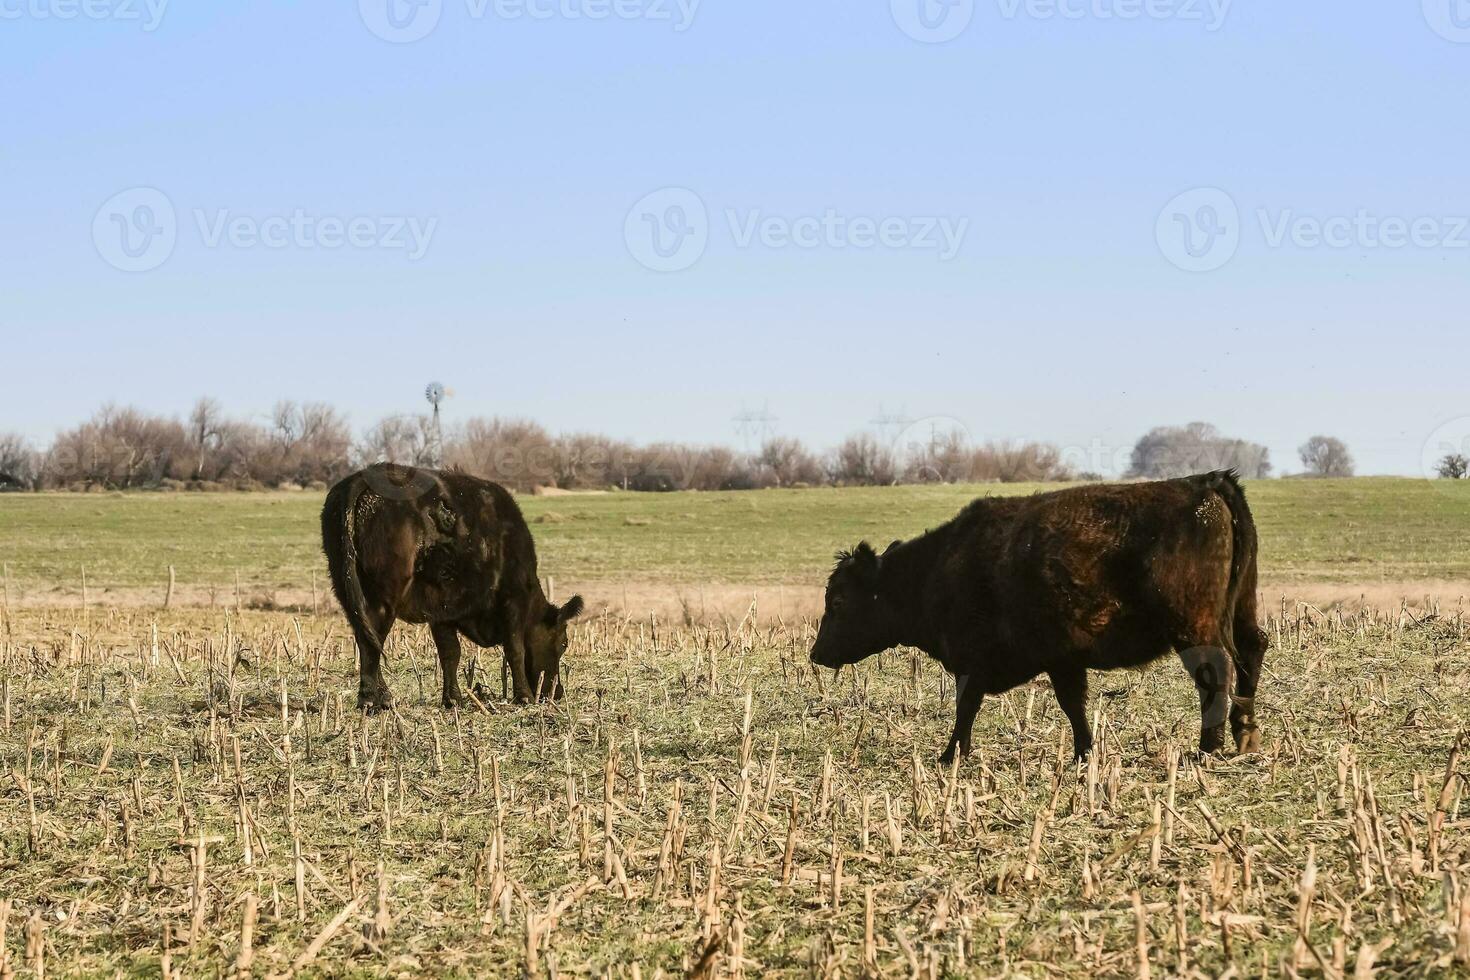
(192, 791)
(203, 800)
(1336, 531)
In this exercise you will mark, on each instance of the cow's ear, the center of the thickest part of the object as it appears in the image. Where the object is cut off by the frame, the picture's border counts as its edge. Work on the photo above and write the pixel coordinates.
(891, 546)
(571, 610)
(867, 563)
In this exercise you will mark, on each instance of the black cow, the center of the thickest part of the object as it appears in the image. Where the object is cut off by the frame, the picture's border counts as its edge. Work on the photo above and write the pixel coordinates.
(1092, 577)
(450, 550)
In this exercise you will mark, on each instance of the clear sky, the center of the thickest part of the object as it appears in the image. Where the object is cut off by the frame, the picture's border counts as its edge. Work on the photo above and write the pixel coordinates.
(962, 209)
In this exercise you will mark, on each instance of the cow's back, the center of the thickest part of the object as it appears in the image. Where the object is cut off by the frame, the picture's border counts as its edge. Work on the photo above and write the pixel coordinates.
(432, 545)
(1061, 569)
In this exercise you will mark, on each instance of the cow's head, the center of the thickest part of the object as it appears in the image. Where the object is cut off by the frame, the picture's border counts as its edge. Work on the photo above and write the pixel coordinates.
(854, 624)
(546, 644)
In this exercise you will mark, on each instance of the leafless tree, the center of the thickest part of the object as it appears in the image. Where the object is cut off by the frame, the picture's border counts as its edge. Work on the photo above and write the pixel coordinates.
(788, 462)
(1326, 456)
(1170, 451)
(18, 463)
(862, 460)
(406, 439)
(205, 421)
(311, 443)
(1454, 466)
(119, 447)
(515, 452)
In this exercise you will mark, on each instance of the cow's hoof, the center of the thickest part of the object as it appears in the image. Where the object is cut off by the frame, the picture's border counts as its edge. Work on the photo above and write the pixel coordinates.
(452, 701)
(1211, 740)
(374, 701)
(1248, 740)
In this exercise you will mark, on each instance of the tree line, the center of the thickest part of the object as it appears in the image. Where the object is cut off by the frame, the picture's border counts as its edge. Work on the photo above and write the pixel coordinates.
(311, 445)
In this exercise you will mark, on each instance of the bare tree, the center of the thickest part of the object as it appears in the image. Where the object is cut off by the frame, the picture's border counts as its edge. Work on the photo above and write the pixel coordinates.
(1019, 462)
(863, 461)
(588, 461)
(1453, 466)
(1198, 447)
(515, 452)
(205, 421)
(119, 447)
(788, 462)
(399, 439)
(19, 464)
(1326, 456)
(311, 443)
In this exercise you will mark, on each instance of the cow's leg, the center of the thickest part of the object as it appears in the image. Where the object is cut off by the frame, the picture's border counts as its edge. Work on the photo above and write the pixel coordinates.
(516, 654)
(1070, 686)
(446, 639)
(969, 692)
(1212, 666)
(372, 689)
(1250, 646)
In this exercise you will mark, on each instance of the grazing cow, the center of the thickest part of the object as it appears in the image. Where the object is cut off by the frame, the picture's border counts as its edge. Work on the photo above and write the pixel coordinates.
(450, 550)
(1092, 577)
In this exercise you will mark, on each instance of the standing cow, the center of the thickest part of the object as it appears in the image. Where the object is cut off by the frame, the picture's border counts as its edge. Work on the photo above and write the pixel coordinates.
(1093, 577)
(450, 550)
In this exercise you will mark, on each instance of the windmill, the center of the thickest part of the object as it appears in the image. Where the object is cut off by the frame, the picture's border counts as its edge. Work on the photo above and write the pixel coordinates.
(434, 393)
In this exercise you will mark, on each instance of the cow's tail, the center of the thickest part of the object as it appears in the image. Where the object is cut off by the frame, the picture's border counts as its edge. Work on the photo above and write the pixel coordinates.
(339, 541)
(1241, 593)
(1239, 623)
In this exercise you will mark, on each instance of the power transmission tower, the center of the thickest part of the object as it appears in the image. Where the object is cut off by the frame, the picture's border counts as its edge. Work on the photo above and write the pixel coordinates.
(750, 424)
(890, 425)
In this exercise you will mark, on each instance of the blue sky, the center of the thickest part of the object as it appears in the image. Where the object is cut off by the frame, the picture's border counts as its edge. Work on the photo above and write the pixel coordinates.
(517, 136)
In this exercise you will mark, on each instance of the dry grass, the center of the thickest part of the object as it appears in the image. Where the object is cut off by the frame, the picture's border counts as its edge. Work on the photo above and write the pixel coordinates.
(205, 800)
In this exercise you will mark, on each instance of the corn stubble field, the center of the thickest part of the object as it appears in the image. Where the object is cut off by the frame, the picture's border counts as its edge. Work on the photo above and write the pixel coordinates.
(194, 793)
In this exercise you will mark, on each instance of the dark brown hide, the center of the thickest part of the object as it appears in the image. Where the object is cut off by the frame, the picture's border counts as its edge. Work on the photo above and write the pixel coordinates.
(1095, 577)
(450, 550)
